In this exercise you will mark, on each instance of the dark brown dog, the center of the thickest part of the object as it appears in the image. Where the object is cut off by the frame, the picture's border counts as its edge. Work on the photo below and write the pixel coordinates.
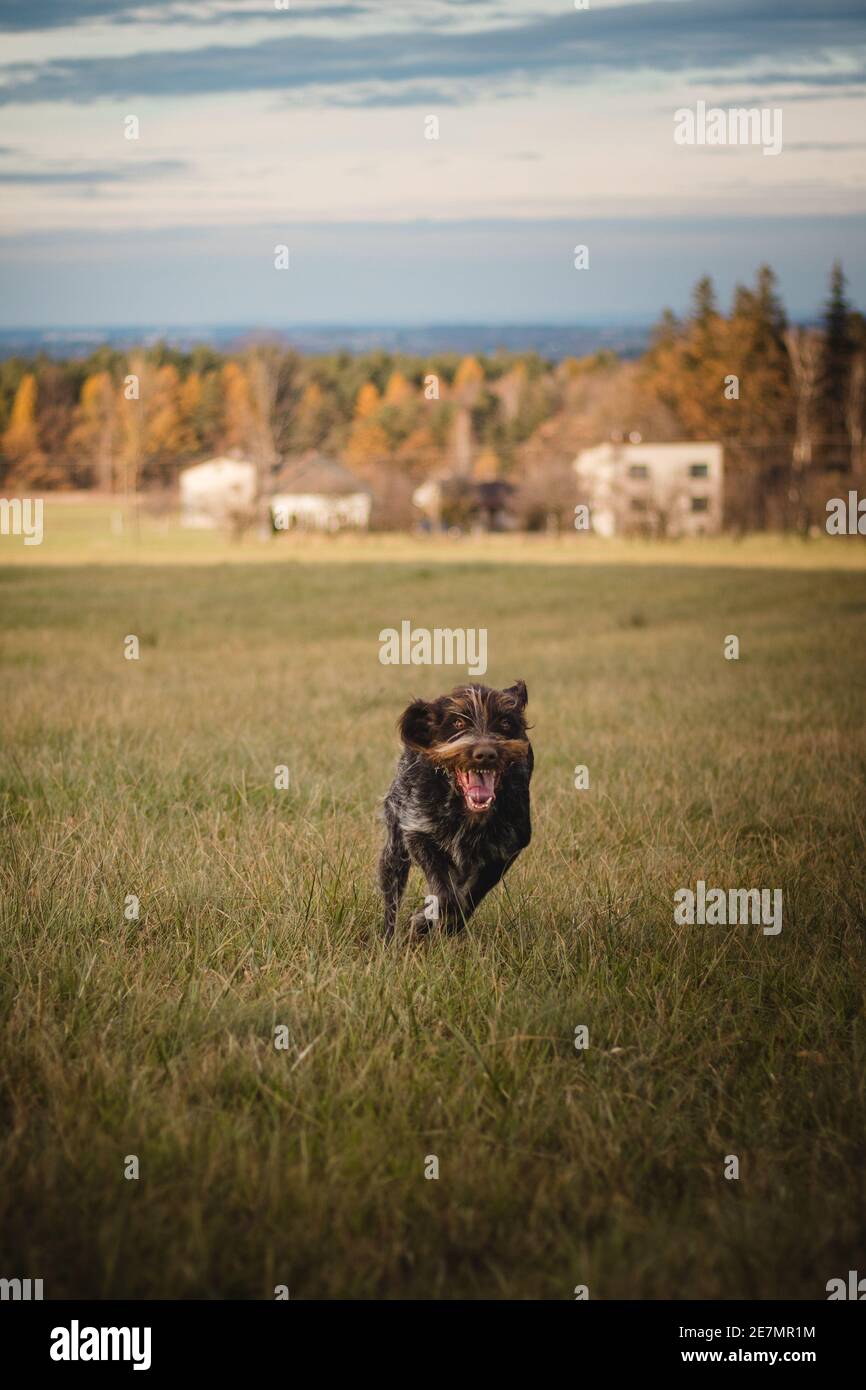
(459, 804)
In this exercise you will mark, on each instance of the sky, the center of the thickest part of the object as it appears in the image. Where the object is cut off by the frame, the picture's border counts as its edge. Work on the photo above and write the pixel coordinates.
(269, 123)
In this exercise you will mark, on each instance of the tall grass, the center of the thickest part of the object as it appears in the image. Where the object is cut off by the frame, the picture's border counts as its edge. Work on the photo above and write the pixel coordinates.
(155, 1037)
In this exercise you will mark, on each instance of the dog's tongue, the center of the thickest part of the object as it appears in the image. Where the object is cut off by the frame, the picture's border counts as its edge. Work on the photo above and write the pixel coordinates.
(480, 787)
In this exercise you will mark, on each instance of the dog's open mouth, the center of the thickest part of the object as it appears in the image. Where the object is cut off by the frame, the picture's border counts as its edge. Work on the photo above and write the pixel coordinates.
(478, 788)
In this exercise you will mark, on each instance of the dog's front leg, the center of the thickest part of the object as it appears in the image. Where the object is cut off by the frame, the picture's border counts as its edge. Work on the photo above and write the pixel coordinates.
(393, 871)
(487, 877)
(443, 884)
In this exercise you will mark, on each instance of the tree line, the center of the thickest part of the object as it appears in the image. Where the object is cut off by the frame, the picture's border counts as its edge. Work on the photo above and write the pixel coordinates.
(788, 402)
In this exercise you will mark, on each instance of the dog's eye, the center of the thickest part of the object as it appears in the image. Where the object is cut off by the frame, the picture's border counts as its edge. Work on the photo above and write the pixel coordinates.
(460, 723)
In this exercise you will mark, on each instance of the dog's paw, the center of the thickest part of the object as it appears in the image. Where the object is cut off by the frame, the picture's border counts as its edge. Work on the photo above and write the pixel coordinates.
(420, 924)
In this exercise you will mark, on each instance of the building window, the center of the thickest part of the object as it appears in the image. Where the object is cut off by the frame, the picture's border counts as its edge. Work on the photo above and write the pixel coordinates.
(700, 504)
(699, 470)
(638, 470)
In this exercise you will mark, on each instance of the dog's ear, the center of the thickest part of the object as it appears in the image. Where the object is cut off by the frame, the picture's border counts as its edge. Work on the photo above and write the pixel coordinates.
(416, 724)
(517, 691)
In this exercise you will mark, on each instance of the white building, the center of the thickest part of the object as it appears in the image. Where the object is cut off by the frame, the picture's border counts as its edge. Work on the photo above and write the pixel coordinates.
(318, 494)
(652, 489)
(212, 493)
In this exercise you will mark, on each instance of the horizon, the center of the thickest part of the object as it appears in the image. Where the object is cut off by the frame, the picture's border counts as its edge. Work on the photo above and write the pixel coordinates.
(551, 340)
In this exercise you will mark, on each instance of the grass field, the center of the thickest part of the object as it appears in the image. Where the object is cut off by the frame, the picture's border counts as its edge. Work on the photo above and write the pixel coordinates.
(305, 1166)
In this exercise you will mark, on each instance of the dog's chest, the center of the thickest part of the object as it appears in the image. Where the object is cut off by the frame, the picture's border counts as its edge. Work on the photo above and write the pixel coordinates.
(472, 842)
(426, 805)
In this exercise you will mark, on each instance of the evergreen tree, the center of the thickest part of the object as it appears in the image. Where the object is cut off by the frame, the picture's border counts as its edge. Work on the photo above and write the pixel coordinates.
(835, 365)
(704, 308)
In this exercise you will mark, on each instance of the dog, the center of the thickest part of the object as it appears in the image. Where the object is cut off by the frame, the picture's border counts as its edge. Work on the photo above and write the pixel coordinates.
(458, 807)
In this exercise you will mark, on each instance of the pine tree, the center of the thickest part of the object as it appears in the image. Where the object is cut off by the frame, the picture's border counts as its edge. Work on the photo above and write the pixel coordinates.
(704, 308)
(835, 365)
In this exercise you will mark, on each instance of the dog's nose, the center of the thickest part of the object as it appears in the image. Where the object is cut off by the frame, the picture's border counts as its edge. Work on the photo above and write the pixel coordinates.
(483, 755)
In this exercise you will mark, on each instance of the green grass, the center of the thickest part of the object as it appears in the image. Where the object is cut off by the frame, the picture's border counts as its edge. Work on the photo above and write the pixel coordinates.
(258, 908)
(82, 529)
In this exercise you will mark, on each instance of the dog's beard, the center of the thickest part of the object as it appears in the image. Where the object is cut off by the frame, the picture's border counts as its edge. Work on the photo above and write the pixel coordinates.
(478, 788)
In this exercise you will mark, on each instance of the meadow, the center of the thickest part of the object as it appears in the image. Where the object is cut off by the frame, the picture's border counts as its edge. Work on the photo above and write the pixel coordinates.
(305, 1166)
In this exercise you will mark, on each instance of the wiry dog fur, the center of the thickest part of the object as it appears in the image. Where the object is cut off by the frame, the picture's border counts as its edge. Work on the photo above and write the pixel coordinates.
(459, 804)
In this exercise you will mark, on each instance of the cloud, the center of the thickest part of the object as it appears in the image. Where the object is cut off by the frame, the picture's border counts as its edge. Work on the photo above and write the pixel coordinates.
(21, 16)
(711, 36)
(400, 94)
(826, 145)
(126, 173)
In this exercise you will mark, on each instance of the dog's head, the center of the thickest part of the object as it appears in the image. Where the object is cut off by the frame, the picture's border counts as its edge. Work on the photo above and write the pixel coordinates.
(474, 735)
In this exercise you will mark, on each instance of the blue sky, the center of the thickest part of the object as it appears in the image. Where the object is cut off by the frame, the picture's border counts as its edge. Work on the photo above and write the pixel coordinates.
(305, 126)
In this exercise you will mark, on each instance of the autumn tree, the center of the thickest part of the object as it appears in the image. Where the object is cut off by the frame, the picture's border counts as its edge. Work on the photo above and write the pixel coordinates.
(855, 411)
(21, 446)
(192, 424)
(759, 418)
(313, 418)
(237, 423)
(468, 381)
(418, 453)
(729, 379)
(165, 438)
(805, 351)
(95, 428)
(367, 447)
(368, 401)
(212, 411)
(398, 391)
(133, 403)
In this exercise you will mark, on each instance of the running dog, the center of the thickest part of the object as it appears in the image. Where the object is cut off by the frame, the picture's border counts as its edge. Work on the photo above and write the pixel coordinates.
(458, 807)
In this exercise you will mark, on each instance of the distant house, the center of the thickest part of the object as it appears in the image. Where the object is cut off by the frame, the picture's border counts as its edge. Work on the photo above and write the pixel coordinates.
(652, 489)
(319, 494)
(214, 493)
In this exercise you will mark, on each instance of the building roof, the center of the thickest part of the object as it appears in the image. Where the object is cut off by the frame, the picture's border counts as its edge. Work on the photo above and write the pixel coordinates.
(646, 449)
(318, 475)
(223, 464)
